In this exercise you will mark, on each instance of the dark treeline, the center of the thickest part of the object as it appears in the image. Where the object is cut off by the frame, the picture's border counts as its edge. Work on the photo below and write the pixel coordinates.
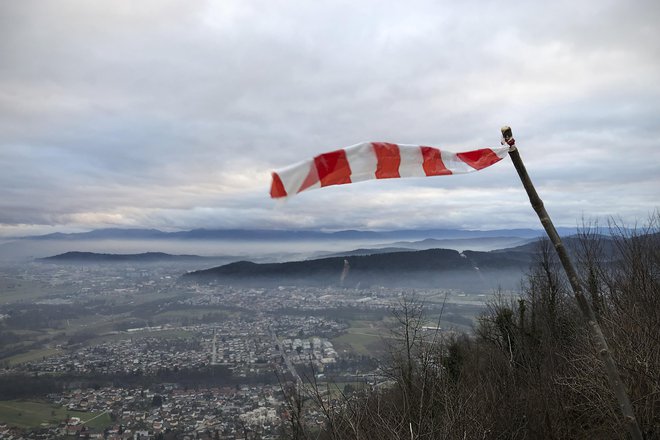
(22, 386)
(530, 371)
(17, 386)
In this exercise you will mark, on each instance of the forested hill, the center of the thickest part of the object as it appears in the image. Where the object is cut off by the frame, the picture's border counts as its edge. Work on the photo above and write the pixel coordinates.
(428, 268)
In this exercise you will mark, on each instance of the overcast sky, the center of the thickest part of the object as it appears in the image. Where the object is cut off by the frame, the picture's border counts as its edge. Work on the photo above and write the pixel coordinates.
(171, 114)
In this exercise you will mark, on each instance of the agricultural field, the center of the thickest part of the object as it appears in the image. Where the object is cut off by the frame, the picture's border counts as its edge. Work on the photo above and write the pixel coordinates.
(35, 414)
(17, 290)
(32, 355)
(363, 337)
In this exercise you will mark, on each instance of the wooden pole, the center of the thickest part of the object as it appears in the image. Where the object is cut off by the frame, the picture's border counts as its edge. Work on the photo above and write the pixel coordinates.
(585, 307)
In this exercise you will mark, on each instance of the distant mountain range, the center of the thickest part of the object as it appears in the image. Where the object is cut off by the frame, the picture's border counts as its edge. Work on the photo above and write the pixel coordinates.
(363, 251)
(146, 257)
(291, 235)
(458, 244)
(474, 244)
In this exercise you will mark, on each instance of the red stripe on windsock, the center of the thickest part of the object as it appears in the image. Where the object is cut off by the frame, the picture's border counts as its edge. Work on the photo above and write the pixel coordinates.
(277, 188)
(479, 159)
(333, 168)
(389, 160)
(433, 164)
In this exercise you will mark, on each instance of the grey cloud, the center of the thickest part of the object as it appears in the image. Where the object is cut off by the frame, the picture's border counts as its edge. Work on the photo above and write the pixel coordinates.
(171, 114)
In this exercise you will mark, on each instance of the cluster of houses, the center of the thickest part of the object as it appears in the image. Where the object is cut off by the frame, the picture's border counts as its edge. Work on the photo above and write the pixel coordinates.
(146, 414)
(248, 347)
(279, 334)
(305, 298)
(302, 351)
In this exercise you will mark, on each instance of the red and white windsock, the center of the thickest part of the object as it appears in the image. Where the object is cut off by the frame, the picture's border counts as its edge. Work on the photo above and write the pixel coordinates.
(378, 160)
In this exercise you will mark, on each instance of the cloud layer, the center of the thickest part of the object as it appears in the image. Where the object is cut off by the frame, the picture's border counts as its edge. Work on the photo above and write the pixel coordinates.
(170, 114)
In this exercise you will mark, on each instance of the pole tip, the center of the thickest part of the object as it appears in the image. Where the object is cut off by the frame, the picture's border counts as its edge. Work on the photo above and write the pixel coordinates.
(507, 136)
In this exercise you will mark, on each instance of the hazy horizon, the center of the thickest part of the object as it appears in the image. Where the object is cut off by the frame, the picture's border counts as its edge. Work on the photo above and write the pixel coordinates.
(271, 250)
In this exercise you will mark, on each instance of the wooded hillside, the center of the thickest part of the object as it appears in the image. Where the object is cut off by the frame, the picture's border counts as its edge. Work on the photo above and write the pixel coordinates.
(530, 371)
